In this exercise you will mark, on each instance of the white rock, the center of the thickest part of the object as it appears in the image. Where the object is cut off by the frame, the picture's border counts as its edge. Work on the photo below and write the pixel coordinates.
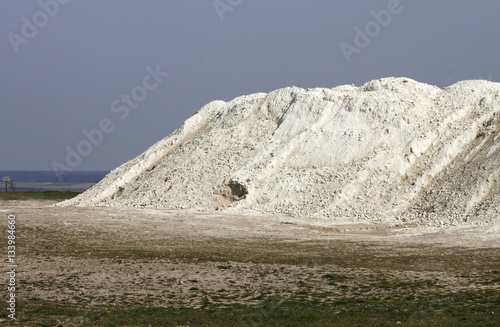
(393, 148)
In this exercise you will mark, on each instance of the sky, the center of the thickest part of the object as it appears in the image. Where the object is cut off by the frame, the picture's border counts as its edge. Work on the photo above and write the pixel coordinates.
(90, 84)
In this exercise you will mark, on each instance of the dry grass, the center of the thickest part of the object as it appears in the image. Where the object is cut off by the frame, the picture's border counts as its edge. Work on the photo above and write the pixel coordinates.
(95, 267)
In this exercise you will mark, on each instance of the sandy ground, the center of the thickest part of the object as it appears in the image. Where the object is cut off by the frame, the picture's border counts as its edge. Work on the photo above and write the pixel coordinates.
(109, 256)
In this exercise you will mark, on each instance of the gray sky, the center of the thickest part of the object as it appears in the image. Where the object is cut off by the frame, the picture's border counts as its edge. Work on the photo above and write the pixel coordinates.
(86, 65)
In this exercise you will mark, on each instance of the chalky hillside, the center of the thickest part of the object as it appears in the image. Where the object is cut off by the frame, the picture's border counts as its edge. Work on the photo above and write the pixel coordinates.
(390, 150)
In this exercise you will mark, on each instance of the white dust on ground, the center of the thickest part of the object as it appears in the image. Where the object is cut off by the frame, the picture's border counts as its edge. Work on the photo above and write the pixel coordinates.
(392, 150)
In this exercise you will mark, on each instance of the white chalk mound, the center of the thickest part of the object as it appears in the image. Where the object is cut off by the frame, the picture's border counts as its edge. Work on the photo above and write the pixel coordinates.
(393, 149)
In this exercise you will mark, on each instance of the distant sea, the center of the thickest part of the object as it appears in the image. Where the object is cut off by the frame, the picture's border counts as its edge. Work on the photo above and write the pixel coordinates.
(48, 180)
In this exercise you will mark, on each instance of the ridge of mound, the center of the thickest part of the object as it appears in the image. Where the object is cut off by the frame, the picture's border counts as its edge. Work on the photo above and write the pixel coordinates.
(392, 149)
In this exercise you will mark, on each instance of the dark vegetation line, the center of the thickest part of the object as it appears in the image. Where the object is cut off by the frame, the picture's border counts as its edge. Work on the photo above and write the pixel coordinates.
(34, 195)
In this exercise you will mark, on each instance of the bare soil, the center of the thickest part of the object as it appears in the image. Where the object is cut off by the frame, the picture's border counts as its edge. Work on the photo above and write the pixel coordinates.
(99, 256)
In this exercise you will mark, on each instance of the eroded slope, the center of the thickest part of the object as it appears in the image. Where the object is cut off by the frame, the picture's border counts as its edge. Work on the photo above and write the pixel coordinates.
(391, 149)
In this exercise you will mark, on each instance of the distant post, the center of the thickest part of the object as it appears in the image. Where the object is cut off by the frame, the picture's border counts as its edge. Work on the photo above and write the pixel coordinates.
(6, 179)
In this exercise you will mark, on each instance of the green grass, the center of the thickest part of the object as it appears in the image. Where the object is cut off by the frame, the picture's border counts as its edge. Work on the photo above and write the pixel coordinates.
(32, 195)
(333, 279)
(473, 308)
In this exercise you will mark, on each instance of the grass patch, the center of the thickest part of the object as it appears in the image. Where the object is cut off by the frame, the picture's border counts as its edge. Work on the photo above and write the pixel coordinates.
(33, 195)
(333, 279)
(473, 308)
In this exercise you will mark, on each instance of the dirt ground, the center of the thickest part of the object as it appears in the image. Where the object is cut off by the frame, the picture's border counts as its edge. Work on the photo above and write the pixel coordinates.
(164, 258)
